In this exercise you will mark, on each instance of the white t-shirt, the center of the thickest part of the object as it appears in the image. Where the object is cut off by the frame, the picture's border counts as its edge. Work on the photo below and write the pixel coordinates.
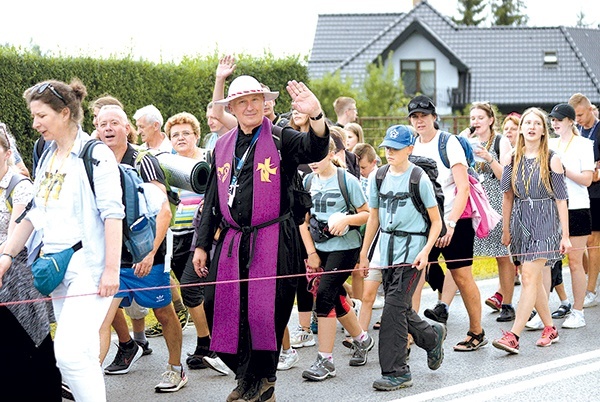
(578, 156)
(456, 155)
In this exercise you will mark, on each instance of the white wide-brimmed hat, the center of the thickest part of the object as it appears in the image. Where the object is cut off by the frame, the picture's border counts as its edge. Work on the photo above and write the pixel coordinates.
(246, 85)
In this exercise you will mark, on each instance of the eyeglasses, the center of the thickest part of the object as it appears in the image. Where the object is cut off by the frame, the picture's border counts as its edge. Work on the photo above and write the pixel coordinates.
(40, 88)
(184, 134)
(414, 105)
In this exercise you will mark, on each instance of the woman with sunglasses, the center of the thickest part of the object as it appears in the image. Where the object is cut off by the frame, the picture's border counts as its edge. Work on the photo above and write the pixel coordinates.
(67, 212)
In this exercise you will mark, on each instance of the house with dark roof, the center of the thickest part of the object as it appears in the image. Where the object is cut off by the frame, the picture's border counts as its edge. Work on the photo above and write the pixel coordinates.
(511, 67)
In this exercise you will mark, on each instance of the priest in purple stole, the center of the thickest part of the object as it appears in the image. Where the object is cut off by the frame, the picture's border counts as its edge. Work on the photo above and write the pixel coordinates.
(249, 195)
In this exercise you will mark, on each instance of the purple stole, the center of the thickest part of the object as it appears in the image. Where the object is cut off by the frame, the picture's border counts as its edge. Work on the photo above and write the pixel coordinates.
(265, 207)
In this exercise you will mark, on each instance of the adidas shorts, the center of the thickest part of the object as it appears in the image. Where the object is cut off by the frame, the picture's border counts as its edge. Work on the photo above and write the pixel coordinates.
(153, 298)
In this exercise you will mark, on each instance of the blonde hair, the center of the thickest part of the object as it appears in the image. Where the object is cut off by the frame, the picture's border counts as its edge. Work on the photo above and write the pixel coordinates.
(183, 118)
(357, 130)
(579, 99)
(543, 155)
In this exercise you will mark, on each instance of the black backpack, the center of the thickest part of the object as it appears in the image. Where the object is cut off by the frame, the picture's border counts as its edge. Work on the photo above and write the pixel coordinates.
(423, 164)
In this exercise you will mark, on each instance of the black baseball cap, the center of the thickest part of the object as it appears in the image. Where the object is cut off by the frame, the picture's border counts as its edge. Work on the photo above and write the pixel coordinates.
(563, 110)
(421, 104)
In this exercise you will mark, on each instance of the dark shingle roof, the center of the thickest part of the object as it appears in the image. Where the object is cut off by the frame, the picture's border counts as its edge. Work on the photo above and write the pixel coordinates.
(505, 63)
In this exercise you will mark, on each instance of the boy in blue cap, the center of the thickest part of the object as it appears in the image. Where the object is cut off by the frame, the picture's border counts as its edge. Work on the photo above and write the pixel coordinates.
(406, 240)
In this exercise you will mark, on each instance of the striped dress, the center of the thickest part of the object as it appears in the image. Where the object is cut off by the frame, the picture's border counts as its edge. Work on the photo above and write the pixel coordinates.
(535, 226)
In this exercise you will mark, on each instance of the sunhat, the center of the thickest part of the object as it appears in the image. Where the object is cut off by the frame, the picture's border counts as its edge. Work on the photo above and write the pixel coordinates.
(246, 85)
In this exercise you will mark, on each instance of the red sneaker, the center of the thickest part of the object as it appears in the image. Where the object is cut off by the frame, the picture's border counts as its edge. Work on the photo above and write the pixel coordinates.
(495, 302)
(549, 336)
(508, 343)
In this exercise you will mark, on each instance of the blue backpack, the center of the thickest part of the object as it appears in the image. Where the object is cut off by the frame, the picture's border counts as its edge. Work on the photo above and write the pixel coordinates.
(466, 146)
(139, 229)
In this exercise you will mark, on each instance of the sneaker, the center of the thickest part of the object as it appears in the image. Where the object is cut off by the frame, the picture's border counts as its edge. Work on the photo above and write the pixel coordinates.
(66, 392)
(435, 356)
(124, 359)
(506, 314)
(259, 391)
(535, 323)
(288, 360)
(214, 362)
(320, 369)
(301, 338)
(348, 342)
(361, 350)
(172, 381)
(146, 349)
(391, 383)
(495, 302)
(562, 311)
(314, 323)
(575, 320)
(184, 318)
(517, 278)
(195, 361)
(549, 336)
(590, 300)
(509, 343)
(379, 302)
(438, 313)
(154, 331)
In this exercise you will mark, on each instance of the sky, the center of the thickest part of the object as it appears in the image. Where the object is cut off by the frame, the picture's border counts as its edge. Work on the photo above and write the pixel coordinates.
(191, 27)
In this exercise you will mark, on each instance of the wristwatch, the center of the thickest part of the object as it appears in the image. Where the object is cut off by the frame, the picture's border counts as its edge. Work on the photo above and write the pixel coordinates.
(317, 117)
(451, 224)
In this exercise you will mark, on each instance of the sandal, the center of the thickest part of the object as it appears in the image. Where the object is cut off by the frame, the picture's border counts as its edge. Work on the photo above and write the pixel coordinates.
(377, 325)
(469, 345)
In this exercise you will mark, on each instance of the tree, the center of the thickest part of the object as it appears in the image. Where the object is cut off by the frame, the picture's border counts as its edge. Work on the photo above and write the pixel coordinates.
(581, 20)
(509, 13)
(329, 88)
(469, 9)
(382, 94)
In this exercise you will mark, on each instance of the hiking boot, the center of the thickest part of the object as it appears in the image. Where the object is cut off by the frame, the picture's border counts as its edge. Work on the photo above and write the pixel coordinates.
(214, 362)
(124, 359)
(154, 331)
(391, 383)
(562, 311)
(438, 313)
(320, 369)
(495, 302)
(435, 356)
(184, 318)
(506, 314)
(146, 349)
(243, 385)
(301, 337)
(261, 390)
(172, 381)
(535, 323)
(549, 336)
(509, 343)
(288, 360)
(361, 350)
(575, 320)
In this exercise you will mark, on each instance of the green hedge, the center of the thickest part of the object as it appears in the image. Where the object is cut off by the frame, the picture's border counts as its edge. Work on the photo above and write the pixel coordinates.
(172, 88)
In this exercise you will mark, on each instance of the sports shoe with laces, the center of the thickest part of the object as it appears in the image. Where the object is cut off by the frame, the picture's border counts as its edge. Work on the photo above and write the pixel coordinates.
(301, 337)
(172, 380)
(195, 360)
(562, 311)
(124, 359)
(495, 302)
(243, 385)
(509, 342)
(320, 369)
(575, 320)
(506, 314)
(391, 383)
(214, 362)
(154, 331)
(288, 360)
(438, 313)
(549, 336)
(146, 349)
(184, 318)
(361, 351)
(534, 323)
(261, 390)
(435, 356)
(590, 300)
(314, 323)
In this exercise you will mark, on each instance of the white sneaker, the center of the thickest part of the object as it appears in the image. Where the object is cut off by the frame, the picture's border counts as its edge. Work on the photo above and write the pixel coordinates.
(575, 320)
(535, 323)
(288, 360)
(172, 380)
(301, 338)
(379, 302)
(214, 362)
(590, 300)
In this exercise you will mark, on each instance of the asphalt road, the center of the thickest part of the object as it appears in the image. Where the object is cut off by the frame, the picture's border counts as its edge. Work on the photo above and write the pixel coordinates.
(568, 370)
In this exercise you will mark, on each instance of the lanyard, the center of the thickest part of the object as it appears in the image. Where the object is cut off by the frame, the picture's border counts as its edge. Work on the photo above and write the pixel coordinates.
(239, 166)
(589, 136)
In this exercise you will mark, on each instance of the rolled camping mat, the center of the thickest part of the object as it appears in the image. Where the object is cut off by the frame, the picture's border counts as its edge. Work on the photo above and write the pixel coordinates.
(185, 173)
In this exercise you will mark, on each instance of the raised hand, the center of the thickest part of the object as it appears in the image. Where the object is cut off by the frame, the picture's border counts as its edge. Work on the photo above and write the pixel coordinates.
(303, 100)
(226, 67)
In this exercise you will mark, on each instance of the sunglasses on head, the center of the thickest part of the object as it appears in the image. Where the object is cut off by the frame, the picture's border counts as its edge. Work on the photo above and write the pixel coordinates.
(40, 88)
(4, 133)
(414, 105)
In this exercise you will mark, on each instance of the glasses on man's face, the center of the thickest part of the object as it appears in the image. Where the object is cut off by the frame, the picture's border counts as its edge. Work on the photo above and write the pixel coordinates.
(414, 105)
(46, 85)
(184, 134)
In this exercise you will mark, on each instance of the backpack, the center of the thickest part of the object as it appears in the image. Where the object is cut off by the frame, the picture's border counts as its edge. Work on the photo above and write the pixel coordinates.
(423, 164)
(14, 180)
(141, 205)
(466, 146)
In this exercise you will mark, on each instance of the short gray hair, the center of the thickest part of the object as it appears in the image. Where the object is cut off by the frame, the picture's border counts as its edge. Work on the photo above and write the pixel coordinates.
(151, 113)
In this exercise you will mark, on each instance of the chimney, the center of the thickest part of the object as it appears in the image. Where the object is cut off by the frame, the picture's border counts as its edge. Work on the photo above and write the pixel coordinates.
(416, 3)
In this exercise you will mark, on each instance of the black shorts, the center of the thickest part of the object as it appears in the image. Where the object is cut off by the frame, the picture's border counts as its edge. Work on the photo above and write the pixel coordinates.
(595, 212)
(556, 272)
(459, 253)
(580, 222)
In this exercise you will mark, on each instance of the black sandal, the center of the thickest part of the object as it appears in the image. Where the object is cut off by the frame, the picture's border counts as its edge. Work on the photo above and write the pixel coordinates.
(469, 345)
(377, 325)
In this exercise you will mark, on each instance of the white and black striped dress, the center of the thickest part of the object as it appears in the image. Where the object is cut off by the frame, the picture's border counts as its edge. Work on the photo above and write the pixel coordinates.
(535, 226)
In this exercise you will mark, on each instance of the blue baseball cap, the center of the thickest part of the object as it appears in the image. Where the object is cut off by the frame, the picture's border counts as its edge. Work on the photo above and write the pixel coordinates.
(398, 137)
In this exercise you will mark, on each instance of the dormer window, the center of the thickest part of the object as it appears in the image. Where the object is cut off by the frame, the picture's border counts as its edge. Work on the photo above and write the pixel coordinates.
(550, 58)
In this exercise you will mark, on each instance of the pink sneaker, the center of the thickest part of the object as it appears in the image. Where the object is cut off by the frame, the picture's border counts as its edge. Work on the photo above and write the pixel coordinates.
(508, 343)
(495, 302)
(549, 336)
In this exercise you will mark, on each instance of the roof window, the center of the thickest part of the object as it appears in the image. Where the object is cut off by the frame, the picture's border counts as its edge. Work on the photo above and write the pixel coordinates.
(550, 58)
